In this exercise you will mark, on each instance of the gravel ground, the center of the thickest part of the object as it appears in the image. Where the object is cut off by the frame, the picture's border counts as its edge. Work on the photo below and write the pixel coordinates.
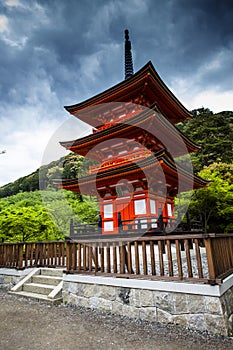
(28, 325)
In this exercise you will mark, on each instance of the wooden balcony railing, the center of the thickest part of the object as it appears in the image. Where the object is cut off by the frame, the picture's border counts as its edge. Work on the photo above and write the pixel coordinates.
(157, 225)
(206, 258)
(123, 159)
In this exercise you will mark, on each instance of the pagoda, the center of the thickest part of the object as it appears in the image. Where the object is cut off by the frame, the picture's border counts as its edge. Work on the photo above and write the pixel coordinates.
(135, 144)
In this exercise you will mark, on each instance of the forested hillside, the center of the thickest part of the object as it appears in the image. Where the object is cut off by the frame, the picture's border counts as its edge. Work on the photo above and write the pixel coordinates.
(214, 133)
(27, 213)
(66, 167)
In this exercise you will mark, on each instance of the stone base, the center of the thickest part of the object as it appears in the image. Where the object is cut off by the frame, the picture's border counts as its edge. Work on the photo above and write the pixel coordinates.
(197, 306)
(10, 277)
(191, 308)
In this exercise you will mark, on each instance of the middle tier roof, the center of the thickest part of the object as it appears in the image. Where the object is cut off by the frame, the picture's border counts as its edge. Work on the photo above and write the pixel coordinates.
(148, 127)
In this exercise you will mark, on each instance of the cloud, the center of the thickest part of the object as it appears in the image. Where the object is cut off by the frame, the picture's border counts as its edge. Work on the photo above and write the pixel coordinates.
(215, 101)
(13, 3)
(3, 23)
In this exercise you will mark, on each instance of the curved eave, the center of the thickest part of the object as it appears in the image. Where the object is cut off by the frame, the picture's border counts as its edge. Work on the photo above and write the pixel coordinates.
(128, 87)
(84, 144)
(162, 156)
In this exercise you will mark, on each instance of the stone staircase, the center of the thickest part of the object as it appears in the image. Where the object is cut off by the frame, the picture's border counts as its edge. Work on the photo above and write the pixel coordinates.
(41, 284)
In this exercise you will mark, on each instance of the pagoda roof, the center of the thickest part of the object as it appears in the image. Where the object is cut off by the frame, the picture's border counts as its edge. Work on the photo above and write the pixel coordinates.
(145, 82)
(172, 171)
(149, 120)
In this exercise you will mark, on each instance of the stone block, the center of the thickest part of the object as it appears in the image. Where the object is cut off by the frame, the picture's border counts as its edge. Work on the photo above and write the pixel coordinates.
(164, 301)
(148, 314)
(72, 288)
(106, 292)
(104, 305)
(134, 299)
(163, 316)
(15, 280)
(216, 324)
(83, 302)
(87, 290)
(213, 305)
(195, 304)
(93, 302)
(81, 288)
(180, 303)
(196, 321)
(227, 302)
(146, 298)
(180, 320)
(230, 325)
(72, 299)
(130, 311)
(7, 280)
(76, 300)
(117, 308)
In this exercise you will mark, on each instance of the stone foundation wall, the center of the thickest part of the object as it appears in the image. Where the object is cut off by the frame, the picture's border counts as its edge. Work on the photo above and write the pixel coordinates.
(10, 277)
(201, 312)
(197, 306)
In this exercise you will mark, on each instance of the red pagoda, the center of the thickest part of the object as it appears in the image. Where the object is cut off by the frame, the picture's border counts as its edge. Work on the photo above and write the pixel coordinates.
(136, 146)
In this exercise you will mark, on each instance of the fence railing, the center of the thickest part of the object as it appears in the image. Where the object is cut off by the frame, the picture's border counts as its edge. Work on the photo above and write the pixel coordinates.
(206, 258)
(33, 254)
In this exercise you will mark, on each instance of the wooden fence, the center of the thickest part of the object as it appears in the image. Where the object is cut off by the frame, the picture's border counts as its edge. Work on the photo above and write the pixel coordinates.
(33, 254)
(204, 258)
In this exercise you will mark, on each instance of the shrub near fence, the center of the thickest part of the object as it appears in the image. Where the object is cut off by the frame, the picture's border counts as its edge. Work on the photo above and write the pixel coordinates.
(204, 258)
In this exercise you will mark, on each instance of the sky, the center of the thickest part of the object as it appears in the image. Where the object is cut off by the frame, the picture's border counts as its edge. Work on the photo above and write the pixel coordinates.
(55, 53)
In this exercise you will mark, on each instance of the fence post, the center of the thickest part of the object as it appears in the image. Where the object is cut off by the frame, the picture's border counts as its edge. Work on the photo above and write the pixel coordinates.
(19, 264)
(210, 259)
(68, 256)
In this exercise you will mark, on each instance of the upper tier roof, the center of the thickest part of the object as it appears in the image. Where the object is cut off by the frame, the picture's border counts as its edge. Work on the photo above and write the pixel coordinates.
(144, 83)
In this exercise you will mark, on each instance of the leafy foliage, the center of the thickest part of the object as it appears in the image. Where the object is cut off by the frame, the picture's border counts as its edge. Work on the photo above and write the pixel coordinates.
(42, 215)
(214, 133)
(215, 203)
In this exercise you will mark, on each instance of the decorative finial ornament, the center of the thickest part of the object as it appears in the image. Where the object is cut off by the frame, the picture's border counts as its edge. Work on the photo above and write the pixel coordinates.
(128, 56)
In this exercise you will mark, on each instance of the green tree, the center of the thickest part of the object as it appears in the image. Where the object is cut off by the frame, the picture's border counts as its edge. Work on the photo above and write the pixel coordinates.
(42, 215)
(215, 202)
(214, 133)
(26, 224)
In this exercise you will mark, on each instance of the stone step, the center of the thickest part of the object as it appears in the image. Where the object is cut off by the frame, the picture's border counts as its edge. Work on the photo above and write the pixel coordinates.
(37, 297)
(44, 289)
(51, 272)
(42, 284)
(44, 279)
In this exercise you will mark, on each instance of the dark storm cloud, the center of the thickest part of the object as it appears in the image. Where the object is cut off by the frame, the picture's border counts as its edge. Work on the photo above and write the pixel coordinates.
(60, 52)
(178, 36)
(184, 35)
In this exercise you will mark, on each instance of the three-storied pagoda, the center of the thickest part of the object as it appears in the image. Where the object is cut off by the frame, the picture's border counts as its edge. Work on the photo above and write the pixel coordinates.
(135, 142)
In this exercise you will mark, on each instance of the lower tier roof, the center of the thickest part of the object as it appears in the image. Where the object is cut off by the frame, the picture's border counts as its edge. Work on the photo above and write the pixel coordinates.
(157, 170)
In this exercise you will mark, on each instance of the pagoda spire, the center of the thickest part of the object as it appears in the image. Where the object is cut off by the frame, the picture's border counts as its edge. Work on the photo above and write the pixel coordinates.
(128, 56)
